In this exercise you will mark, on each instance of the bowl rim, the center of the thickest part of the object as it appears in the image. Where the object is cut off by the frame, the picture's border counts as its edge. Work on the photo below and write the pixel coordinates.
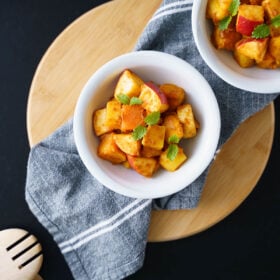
(80, 130)
(235, 79)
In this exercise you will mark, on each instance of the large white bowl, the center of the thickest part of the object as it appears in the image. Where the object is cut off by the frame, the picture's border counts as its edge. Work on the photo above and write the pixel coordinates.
(160, 68)
(222, 62)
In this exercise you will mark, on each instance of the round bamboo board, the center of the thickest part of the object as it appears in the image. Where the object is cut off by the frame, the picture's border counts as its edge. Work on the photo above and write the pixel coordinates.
(108, 31)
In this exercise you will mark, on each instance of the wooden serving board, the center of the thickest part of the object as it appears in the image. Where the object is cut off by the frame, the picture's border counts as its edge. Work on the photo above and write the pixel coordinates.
(108, 31)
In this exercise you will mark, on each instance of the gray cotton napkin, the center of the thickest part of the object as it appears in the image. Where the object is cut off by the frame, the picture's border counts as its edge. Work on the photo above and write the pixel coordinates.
(101, 234)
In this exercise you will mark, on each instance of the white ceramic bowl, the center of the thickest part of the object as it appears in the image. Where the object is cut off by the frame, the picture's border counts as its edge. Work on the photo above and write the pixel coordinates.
(223, 64)
(160, 68)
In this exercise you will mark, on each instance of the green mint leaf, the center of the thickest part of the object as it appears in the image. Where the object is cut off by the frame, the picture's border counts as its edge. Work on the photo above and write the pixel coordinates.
(261, 31)
(172, 151)
(233, 8)
(139, 132)
(173, 139)
(152, 118)
(224, 23)
(123, 99)
(275, 22)
(135, 101)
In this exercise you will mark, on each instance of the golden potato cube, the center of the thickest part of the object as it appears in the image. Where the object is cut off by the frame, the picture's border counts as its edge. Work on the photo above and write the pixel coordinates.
(268, 62)
(217, 9)
(173, 126)
(172, 165)
(144, 166)
(243, 60)
(99, 122)
(186, 117)
(274, 48)
(129, 84)
(127, 144)
(225, 39)
(150, 152)
(154, 138)
(108, 149)
(113, 116)
(175, 95)
(253, 48)
(271, 7)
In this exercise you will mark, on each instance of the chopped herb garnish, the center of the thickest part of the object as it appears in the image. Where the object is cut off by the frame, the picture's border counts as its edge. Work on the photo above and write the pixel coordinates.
(152, 118)
(261, 31)
(174, 139)
(224, 23)
(123, 99)
(139, 132)
(275, 22)
(172, 151)
(233, 8)
(135, 101)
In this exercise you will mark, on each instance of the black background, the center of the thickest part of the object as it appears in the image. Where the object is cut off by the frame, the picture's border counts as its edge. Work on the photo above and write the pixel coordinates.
(245, 245)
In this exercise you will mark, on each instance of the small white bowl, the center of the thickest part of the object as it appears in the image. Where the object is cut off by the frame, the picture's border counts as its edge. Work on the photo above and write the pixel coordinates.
(222, 62)
(160, 68)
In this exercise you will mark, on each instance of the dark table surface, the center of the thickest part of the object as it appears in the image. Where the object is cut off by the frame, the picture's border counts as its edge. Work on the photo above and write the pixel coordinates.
(245, 245)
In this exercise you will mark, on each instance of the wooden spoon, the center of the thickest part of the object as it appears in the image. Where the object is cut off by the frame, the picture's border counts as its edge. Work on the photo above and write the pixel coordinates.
(20, 255)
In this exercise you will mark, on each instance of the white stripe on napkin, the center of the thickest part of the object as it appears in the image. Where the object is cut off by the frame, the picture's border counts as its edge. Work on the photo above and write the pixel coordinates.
(100, 224)
(164, 12)
(75, 243)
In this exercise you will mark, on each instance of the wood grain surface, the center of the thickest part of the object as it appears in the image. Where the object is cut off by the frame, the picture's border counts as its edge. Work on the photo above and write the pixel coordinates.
(95, 38)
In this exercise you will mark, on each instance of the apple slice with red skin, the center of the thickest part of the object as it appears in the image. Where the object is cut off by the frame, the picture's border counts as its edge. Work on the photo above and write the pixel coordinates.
(248, 17)
(253, 48)
(246, 26)
(154, 100)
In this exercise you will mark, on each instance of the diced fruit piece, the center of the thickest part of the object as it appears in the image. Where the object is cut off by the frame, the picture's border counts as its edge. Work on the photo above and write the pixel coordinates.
(248, 17)
(186, 117)
(129, 84)
(150, 152)
(271, 7)
(142, 165)
(154, 100)
(253, 48)
(108, 149)
(132, 116)
(173, 126)
(172, 165)
(154, 138)
(225, 39)
(127, 144)
(99, 120)
(175, 95)
(243, 60)
(113, 114)
(274, 48)
(217, 9)
(268, 62)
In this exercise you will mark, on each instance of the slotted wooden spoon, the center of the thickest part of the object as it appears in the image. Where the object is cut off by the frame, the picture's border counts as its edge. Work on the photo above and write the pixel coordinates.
(21, 255)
